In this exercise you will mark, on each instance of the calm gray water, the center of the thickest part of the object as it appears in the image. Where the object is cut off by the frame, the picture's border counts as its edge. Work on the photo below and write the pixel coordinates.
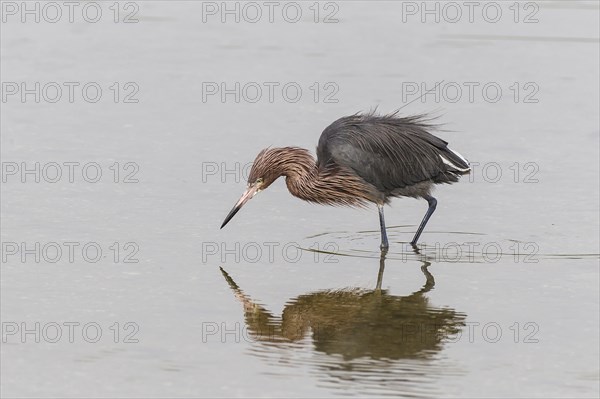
(125, 144)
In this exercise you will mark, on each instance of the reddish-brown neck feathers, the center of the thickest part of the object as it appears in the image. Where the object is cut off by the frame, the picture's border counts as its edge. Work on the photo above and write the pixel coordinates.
(332, 185)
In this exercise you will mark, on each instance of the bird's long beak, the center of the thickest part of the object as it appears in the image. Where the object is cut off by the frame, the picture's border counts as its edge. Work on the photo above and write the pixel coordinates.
(250, 192)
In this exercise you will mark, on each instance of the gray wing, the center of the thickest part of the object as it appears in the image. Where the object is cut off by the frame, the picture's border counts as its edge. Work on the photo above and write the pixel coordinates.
(389, 152)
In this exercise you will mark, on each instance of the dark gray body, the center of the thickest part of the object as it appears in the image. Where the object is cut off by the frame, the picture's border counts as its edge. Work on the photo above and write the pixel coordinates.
(397, 156)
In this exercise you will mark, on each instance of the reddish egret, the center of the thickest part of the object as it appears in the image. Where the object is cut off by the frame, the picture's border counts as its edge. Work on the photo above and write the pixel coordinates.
(360, 159)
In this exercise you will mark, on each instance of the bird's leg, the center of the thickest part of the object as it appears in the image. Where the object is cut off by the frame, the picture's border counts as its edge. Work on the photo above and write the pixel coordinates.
(381, 269)
(384, 240)
(432, 204)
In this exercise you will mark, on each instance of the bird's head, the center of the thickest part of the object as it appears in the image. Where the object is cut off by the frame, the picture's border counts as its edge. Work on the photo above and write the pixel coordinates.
(265, 170)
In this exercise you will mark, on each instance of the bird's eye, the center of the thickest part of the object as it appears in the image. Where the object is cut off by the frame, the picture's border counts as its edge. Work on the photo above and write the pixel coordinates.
(259, 180)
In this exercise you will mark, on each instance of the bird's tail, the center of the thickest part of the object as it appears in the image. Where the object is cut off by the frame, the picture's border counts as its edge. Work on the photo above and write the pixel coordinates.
(456, 163)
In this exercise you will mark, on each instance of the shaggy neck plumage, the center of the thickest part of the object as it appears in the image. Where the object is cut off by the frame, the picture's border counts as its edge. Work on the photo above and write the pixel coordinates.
(334, 186)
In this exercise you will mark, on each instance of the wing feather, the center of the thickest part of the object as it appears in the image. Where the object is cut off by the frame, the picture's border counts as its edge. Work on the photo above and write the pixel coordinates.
(390, 152)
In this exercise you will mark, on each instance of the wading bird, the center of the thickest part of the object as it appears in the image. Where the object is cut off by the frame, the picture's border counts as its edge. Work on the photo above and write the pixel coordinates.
(360, 159)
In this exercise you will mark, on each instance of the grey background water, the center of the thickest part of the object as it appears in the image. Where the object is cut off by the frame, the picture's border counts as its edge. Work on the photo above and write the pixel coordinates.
(501, 301)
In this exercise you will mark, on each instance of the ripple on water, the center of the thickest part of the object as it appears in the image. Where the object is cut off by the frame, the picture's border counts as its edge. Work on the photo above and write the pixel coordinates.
(449, 247)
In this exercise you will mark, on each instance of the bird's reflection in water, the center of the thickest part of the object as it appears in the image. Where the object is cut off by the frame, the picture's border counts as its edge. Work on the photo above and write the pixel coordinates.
(362, 331)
